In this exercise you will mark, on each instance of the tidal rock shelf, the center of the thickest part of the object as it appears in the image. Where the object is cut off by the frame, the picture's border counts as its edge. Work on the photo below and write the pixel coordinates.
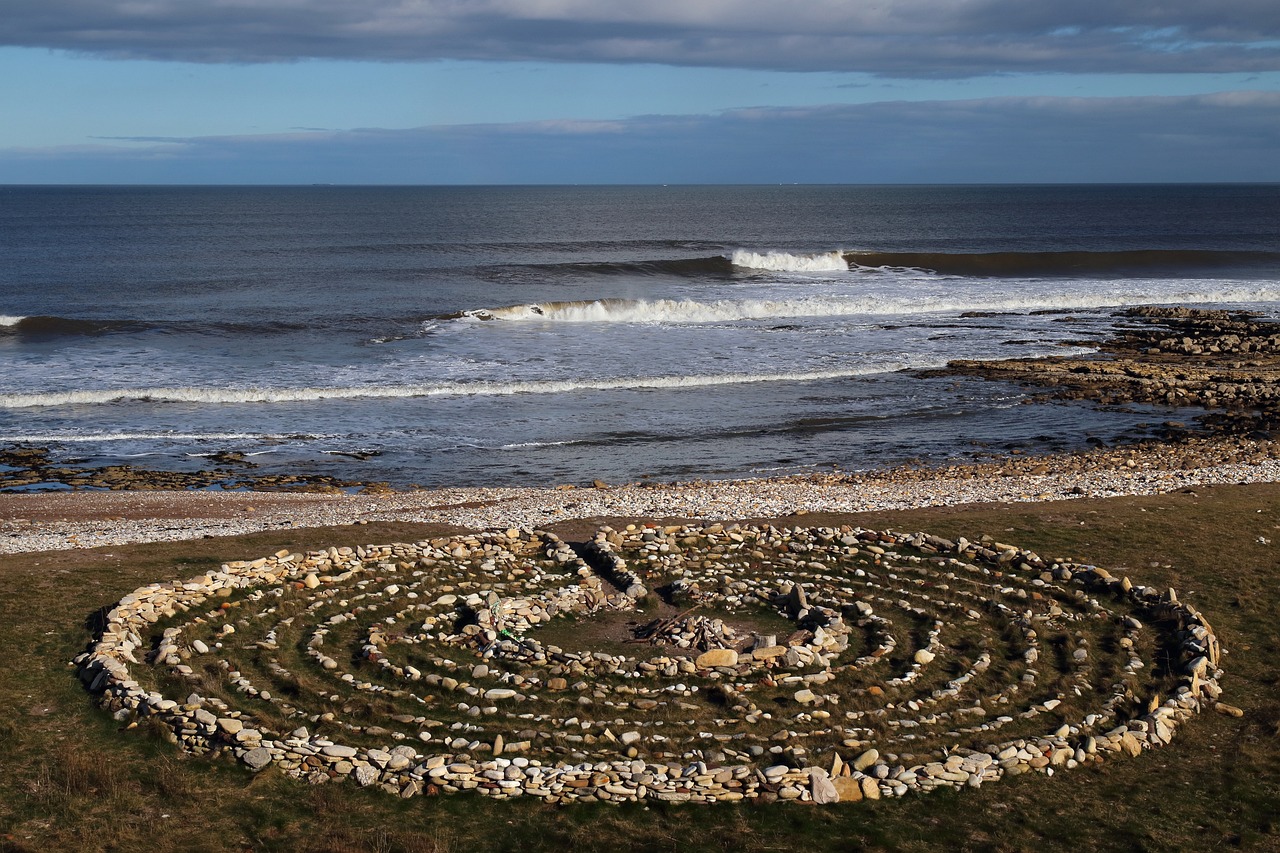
(1227, 363)
(703, 662)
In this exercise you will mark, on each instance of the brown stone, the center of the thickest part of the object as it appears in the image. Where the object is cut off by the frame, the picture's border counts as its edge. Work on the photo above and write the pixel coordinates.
(716, 657)
(849, 788)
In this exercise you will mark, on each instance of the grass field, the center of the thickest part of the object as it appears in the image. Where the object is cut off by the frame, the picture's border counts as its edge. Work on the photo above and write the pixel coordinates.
(69, 780)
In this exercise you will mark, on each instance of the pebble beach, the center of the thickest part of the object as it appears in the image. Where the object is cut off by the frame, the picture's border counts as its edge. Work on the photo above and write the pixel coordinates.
(65, 520)
(1194, 357)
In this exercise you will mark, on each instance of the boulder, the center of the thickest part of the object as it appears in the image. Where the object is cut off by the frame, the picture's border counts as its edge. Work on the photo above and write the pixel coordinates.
(716, 657)
(821, 788)
(848, 788)
(257, 758)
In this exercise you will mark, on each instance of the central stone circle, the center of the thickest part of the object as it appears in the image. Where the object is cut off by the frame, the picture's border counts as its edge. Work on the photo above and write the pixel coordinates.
(690, 663)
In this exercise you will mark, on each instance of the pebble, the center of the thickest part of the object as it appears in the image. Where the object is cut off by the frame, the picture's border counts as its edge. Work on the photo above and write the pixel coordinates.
(1100, 474)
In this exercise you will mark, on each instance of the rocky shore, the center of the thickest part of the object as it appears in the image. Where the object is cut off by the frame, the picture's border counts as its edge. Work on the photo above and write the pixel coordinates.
(23, 467)
(55, 521)
(1226, 363)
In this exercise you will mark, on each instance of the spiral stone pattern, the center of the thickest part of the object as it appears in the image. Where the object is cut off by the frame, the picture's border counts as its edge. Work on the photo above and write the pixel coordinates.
(704, 663)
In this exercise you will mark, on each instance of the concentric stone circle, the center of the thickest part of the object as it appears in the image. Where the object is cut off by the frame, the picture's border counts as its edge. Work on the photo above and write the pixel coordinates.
(690, 662)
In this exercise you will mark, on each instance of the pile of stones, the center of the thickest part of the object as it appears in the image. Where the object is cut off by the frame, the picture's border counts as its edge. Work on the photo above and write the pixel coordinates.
(810, 664)
(696, 632)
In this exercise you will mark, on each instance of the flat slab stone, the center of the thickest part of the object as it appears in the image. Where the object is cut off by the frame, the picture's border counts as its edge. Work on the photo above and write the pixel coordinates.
(257, 758)
(848, 788)
(716, 657)
(821, 788)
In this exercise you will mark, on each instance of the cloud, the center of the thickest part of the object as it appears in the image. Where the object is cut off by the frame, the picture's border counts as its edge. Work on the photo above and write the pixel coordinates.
(893, 37)
(1228, 136)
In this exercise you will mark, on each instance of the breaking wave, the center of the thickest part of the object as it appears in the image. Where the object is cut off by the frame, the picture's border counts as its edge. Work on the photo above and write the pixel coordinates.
(53, 326)
(104, 437)
(296, 395)
(688, 311)
(995, 264)
(978, 264)
(41, 326)
(786, 262)
(713, 266)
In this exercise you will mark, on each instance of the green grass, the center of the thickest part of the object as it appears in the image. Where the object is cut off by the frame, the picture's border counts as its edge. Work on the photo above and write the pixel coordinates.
(70, 780)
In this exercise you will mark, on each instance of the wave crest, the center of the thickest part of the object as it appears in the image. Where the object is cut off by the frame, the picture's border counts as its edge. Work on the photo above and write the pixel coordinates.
(688, 311)
(787, 262)
(49, 326)
(672, 311)
(465, 389)
(1063, 263)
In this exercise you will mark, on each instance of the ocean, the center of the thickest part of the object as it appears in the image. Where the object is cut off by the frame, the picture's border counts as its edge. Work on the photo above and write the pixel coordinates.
(538, 335)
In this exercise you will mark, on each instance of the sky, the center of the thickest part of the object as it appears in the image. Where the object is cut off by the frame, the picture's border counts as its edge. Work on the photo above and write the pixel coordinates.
(661, 91)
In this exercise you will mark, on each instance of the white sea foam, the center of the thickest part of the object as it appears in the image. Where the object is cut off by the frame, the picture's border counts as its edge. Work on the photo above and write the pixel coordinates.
(91, 437)
(219, 453)
(689, 311)
(524, 445)
(467, 389)
(7, 320)
(787, 262)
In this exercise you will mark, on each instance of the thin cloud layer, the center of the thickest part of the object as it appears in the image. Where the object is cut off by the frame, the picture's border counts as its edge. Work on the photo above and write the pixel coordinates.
(896, 37)
(1231, 136)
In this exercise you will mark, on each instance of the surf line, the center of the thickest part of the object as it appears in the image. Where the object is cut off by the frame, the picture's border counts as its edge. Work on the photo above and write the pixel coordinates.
(295, 395)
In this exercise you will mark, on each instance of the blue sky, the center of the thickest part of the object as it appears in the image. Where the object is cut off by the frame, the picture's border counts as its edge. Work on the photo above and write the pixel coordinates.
(584, 91)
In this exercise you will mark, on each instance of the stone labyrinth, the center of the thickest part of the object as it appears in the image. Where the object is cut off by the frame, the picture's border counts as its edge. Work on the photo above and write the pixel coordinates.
(696, 663)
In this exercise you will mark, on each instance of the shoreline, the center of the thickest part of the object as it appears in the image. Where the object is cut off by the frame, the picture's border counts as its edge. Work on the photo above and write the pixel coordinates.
(1215, 546)
(53, 521)
(1227, 364)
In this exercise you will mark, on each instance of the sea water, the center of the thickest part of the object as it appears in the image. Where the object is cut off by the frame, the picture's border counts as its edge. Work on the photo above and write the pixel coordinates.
(508, 335)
